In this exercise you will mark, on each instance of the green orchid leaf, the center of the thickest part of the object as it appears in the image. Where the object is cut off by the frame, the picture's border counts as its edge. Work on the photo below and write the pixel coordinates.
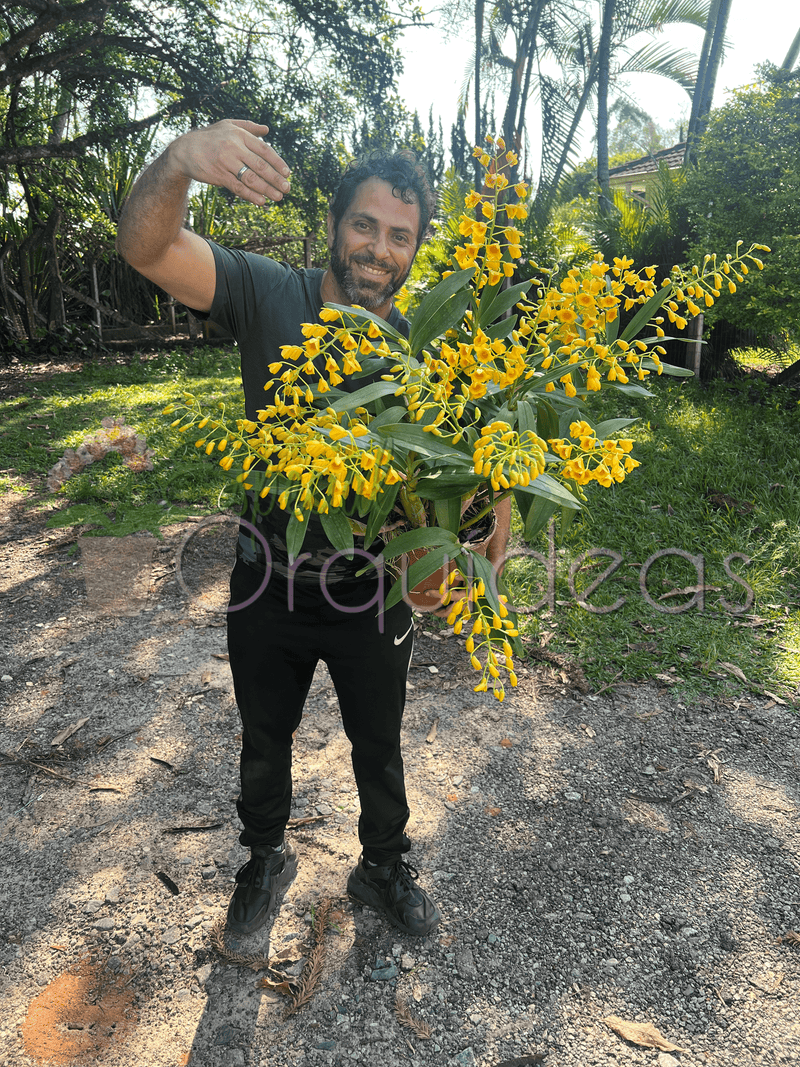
(412, 436)
(432, 304)
(295, 535)
(498, 331)
(611, 427)
(338, 531)
(645, 313)
(448, 513)
(437, 487)
(423, 537)
(503, 301)
(539, 513)
(381, 509)
(631, 390)
(445, 318)
(418, 571)
(363, 396)
(676, 372)
(389, 415)
(546, 420)
(547, 487)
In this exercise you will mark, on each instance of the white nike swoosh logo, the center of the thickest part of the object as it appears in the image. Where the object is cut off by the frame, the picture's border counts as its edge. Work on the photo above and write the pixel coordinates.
(400, 640)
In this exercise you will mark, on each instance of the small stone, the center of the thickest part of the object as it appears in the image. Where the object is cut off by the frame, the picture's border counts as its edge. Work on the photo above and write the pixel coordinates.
(171, 936)
(327, 1046)
(625, 898)
(466, 1058)
(385, 972)
(112, 895)
(628, 879)
(104, 924)
(572, 795)
(465, 964)
(492, 939)
(208, 873)
(225, 1035)
(407, 962)
(665, 1060)
(6, 678)
(204, 973)
(323, 808)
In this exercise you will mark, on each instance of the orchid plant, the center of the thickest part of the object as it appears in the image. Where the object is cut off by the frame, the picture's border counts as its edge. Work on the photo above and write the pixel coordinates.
(484, 400)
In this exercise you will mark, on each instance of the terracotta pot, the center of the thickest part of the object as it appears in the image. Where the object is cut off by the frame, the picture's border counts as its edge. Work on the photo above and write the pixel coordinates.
(426, 595)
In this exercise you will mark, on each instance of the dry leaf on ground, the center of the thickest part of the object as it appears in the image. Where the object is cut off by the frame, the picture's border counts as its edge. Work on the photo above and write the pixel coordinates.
(407, 1019)
(737, 672)
(68, 731)
(644, 1034)
(790, 938)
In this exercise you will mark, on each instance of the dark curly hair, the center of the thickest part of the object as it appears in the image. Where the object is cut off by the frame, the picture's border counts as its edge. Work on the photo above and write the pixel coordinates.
(407, 177)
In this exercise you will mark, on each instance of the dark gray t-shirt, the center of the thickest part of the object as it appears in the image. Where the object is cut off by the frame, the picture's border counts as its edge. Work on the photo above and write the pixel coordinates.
(263, 304)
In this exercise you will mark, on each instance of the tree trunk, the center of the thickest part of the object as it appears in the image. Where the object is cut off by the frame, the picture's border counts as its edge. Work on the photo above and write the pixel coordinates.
(792, 54)
(603, 78)
(707, 69)
(479, 6)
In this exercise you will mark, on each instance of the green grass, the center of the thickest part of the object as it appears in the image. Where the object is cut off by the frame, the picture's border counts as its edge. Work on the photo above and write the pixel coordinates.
(65, 410)
(720, 475)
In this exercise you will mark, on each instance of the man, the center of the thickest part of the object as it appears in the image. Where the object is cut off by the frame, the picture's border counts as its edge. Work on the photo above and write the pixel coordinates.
(285, 616)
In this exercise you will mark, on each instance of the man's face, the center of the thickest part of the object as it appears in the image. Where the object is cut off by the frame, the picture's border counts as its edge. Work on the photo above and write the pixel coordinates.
(374, 245)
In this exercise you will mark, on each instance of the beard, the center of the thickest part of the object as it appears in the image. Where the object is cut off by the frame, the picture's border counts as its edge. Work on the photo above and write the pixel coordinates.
(358, 290)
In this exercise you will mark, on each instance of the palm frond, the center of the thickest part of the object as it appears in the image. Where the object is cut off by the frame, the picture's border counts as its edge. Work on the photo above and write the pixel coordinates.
(637, 16)
(677, 64)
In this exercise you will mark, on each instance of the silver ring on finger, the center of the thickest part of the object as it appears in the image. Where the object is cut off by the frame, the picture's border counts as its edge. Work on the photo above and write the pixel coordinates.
(242, 170)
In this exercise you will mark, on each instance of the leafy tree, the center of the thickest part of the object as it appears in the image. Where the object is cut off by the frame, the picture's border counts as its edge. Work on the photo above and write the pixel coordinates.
(747, 187)
(86, 86)
(460, 147)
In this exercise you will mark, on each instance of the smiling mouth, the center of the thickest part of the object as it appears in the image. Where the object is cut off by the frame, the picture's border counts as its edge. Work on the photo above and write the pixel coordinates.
(373, 272)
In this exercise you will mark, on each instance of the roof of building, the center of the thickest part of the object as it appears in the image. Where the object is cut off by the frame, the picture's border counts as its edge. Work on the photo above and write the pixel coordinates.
(648, 164)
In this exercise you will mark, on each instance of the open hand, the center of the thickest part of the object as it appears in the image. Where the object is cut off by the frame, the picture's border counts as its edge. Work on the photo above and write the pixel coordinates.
(233, 154)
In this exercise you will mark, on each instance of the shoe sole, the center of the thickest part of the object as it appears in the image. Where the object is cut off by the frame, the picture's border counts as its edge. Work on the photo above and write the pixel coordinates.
(373, 900)
(285, 879)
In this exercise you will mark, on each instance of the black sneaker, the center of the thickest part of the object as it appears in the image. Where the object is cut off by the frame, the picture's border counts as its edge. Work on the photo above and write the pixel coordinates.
(393, 890)
(261, 883)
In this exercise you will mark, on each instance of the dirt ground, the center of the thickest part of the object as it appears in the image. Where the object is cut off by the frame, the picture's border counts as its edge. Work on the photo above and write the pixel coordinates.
(600, 859)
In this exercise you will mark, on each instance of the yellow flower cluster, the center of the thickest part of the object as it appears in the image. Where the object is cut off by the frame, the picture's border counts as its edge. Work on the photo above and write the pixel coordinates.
(320, 457)
(586, 459)
(488, 632)
(698, 288)
(492, 244)
(506, 457)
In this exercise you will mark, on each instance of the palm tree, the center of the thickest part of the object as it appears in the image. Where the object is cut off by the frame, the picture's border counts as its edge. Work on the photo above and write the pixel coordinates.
(549, 53)
(707, 69)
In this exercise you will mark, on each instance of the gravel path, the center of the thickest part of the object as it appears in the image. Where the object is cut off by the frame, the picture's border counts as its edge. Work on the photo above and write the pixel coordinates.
(594, 856)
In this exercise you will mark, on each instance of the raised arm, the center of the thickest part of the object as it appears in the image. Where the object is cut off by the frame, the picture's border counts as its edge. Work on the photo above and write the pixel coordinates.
(151, 236)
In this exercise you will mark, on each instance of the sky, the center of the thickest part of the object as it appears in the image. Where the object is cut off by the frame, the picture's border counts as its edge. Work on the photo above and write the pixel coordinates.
(435, 63)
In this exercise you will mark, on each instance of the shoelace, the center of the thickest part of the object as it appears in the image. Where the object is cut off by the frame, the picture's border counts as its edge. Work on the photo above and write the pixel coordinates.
(405, 875)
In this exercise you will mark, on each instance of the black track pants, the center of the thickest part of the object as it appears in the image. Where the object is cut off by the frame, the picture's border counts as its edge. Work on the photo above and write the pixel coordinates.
(273, 653)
